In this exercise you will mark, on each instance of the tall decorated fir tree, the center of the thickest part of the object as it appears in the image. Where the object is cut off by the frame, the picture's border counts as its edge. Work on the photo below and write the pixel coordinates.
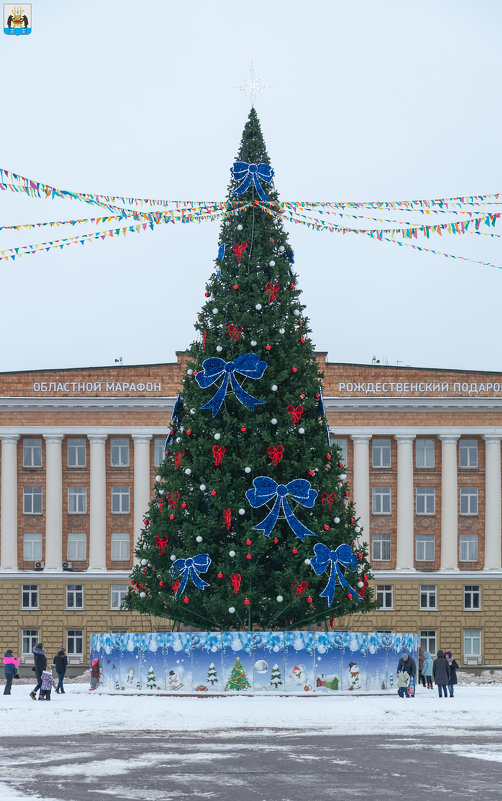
(251, 522)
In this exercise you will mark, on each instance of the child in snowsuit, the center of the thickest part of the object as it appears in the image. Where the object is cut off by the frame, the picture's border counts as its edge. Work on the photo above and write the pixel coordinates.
(47, 684)
(402, 684)
(11, 664)
(95, 674)
(427, 669)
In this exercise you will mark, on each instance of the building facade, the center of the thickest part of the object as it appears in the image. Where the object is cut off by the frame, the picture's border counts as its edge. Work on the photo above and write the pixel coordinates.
(79, 451)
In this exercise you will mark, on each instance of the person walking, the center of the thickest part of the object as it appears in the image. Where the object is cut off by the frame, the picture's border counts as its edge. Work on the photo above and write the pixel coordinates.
(408, 664)
(421, 676)
(60, 663)
(453, 666)
(427, 669)
(95, 674)
(47, 684)
(441, 673)
(10, 667)
(402, 684)
(39, 666)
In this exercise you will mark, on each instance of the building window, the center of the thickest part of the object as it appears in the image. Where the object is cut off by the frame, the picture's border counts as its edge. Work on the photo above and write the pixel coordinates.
(32, 500)
(29, 596)
(468, 550)
(426, 500)
(468, 500)
(381, 500)
(32, 453)
(380, 548)
(425, 547)
(384, 595)
(342, 445)
(120, 500)
(427, 596)
(29, 639)
(77, 547)
(472, 596)
(428, 641)
(118, 593)
(472, 644)
(424, 453)
(119, 546)
(158, 451)
(77, 500)
(32, 547)
(381, 452)
(468, 453)
(74, 596)
(76, 449)
(75, 642)
(119, 452)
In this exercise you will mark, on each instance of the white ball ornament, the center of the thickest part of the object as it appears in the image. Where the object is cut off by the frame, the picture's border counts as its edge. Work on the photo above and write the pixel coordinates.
(178, 439)
(161, 492)
(306, 561)
(247, 469)
(296, 312)
(282, 330)
(198, 539)
(254, 343)
(189, 372)
(158, 478)
(219, 348)
(360, 584)
(301, 431)
(274, 421)
(142, 595)
(187, 471)
(242, 511)
(215, 310)
(202, 487)
(192, 411)
(217, 435)
(144, 562)
(357, 529)
(231, 609)
(258, 306)
(173, 557)
(336, 520)
(280, 599)
(281, 248)
(274, 387)
(271, 263)
(239, 227)
(343, 476)
(231, 553)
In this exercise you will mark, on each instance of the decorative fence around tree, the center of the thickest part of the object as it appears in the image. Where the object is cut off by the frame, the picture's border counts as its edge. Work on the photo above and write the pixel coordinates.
(273, 662)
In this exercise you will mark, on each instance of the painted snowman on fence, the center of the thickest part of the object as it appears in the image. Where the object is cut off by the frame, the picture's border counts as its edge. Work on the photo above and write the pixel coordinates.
(174, 681)
(354, 681)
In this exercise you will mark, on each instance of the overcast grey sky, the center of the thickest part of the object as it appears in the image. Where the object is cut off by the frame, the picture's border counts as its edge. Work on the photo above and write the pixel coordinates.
(368, 101)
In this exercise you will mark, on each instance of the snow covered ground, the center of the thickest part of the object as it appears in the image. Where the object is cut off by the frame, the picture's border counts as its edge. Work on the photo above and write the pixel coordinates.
(80, 712)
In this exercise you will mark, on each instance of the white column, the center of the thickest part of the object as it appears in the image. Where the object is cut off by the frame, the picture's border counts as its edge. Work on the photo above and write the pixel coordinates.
(8, 520)
(53, 502)
(493, 519)
(362, 481)
(405, 502)
(449, 505)
(97, 511)
(142, 489)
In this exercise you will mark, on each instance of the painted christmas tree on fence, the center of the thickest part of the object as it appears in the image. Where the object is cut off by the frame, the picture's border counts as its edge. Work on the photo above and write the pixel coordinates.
(251, 523)
(275, 677)
(150, 679)
(237, 679)
(212, 676)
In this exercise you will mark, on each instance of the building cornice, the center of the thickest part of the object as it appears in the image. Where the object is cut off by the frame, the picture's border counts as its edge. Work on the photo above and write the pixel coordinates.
(70, 576)
(412, 404)
(437, 575)
(80, 404)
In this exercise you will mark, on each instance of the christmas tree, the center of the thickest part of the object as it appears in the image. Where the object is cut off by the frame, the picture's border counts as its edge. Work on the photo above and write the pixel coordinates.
(150, 679)
(275, 677)
(251, 522)
(212, 677)
(238, 679)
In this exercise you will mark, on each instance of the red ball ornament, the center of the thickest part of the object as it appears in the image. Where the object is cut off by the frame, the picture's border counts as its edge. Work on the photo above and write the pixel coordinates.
(171, 517)
(340, 464)
(309, 600)
(294, 550)
(186, 600)
(248, 542)
(311, 472)
(294, 369)
(195, 373)
(161, 583)
(189, 431)
(302, 340)
(292, 286)
(246, 601)
(352, 520)
(359, 556)
(326, 527)
(171, 431)
(243, 429)
(183, 505)
(276, 540)
(347, 494)
(248, 556)
(300, 322)
(365, 577)
(318, 396)
(206, 294)
(220, 575)
(349, 596)
(236, 286)
(302, 395)
(267, 347)
(213, 492)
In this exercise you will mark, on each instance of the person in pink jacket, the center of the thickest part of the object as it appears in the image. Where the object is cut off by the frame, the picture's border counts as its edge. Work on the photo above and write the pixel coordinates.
(10, 665)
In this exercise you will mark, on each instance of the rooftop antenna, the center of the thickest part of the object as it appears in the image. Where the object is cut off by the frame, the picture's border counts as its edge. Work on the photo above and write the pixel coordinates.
(119, 361)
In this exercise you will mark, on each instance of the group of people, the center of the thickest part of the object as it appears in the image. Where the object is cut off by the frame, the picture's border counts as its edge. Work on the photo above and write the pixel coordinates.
(442, 671)
(45, 680)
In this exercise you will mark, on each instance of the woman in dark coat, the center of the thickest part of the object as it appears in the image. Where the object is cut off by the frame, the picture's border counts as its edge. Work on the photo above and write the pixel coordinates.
(40, 665)
(452, 664)
(60, 663)
(441, 673)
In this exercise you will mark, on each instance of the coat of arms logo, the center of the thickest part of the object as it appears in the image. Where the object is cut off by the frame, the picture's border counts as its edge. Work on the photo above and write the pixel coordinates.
(17, 19)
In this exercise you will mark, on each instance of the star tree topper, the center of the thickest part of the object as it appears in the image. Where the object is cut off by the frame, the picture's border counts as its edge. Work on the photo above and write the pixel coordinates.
(253, 86)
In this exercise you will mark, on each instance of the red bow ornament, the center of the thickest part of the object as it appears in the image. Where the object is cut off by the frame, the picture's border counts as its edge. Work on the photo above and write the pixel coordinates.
(172, 499)
(275, 453)
(161, 543)
(273, 291)
(218, 454)
(236, 582)
(234, 332)
(227, 517)
(299, 588)
(329, 499)
(240, 249)
(296, 414)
